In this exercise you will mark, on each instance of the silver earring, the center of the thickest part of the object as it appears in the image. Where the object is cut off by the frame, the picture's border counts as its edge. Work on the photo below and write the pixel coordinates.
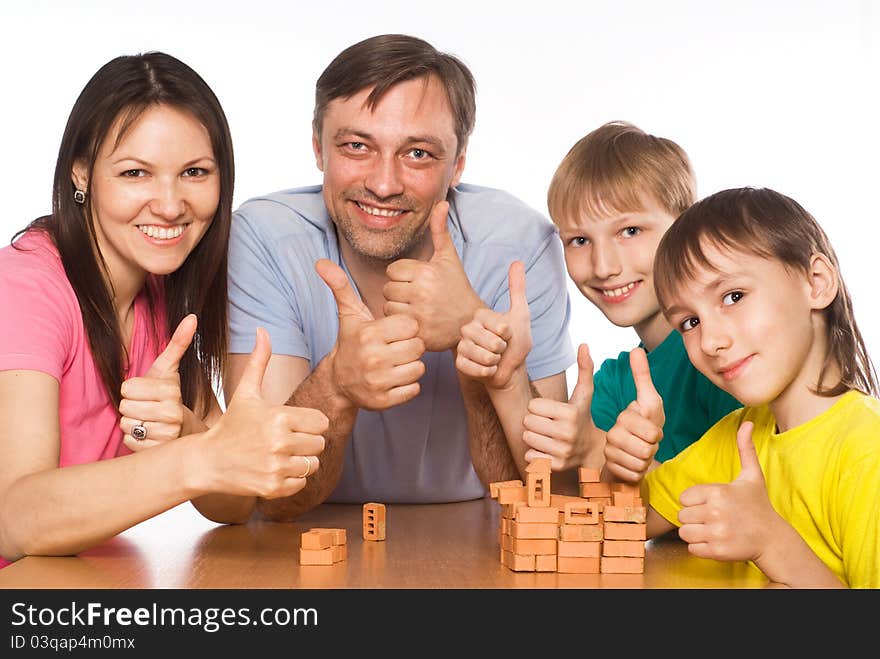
(79, 196)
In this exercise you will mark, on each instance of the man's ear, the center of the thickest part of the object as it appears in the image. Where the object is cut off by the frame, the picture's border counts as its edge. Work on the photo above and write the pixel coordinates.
(316, 148)
(824, 282)
(79, 174)
(459, 167)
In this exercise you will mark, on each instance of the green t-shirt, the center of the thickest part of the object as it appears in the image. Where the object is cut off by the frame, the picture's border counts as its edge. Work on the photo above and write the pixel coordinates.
(692, 404)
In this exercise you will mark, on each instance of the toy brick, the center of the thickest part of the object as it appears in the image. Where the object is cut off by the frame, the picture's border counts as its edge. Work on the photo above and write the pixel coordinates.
(512, 494)
(545, 563)
(589, 490)
(530, 515)
(579, 549)
(316, 539)
(625, 514)
(505, 525)
(520, 563)
(507, 543)
(339, 536)
(316, 556)
(339, 553)
(538, 489)
(588, 475)
(495, 487)
(533, 546)
(580, 532)
(582, 512)
(625, 531)
(538, 466)
(374, 521)
(559, 500)
(503, 558)
(577, 565)
(624, 548)
(622, 565)
(508, 510)
(601, 502)
(535, 531)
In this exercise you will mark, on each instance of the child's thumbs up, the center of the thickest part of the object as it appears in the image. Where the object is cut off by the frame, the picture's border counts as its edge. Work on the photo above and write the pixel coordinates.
(748, 457)
(650, 404)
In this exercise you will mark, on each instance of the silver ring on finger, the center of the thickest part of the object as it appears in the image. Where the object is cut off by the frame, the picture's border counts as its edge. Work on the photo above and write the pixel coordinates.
(139, 432)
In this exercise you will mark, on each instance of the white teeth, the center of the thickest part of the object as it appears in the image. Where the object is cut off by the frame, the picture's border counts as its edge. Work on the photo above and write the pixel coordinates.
(162, 233)
(617, 292)
(381, 212)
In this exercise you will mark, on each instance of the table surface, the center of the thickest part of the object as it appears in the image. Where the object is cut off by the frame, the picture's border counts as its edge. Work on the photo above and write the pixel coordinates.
(427, 546)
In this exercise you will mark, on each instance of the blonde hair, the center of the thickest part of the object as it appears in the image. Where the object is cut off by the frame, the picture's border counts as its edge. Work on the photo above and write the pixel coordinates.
(613, 169)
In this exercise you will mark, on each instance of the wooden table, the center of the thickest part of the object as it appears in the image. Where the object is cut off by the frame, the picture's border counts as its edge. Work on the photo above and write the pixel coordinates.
(427, 546)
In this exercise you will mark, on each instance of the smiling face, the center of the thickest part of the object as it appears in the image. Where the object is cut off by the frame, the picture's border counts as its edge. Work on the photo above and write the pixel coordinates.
(385, 167)
(754, 327)
(153, 195)
(611, 261)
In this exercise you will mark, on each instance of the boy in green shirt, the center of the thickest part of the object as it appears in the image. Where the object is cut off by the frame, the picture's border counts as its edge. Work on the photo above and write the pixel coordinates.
(612, 197)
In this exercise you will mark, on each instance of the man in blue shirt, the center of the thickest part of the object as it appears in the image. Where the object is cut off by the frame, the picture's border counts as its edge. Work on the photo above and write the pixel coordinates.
(365, 282)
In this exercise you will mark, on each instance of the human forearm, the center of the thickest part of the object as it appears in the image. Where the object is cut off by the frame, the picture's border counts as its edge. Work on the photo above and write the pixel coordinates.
(490, 451)
(511, 404)
(317, 391)
(789, 560)
(63, 511)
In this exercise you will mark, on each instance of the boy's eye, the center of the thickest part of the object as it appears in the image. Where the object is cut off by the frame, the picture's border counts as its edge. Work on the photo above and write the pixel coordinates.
(629, 232)
(689, 323)
(578, 241)
(732, 298)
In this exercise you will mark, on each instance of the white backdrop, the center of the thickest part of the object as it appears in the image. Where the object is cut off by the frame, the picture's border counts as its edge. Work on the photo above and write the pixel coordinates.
(758, 92)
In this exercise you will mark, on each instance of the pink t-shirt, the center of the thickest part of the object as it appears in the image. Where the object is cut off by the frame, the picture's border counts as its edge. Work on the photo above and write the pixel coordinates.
(42, 330)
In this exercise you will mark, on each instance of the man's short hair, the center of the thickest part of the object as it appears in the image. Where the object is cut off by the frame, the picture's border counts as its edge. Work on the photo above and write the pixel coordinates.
(615, 168)
(386, 60)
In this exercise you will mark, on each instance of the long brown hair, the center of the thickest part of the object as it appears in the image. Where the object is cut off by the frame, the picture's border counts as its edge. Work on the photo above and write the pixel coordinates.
(122, 90)
(771, 226)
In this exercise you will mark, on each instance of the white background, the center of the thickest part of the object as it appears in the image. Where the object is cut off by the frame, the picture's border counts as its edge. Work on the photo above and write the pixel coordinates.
(766, 93)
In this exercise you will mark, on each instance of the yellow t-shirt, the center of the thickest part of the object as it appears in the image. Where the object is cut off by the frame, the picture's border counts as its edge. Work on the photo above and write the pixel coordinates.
(823, 477)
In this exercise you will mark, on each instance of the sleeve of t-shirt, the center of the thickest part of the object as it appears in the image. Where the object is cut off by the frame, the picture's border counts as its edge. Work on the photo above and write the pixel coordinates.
(550, 308)
(37, 328)
(259, 293)
(606, 406)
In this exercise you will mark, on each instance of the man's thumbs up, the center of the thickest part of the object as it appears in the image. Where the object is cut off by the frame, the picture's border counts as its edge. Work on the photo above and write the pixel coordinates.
(440, 231)
(582, 394)
(347, 301)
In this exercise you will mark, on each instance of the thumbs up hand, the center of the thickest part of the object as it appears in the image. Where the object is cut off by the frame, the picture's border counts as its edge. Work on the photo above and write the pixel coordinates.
(436, 292)
(154, 400)
(731, 521)
(559, 430)
(494, 345)
(259, 449)
(376, 362)
(630, 445)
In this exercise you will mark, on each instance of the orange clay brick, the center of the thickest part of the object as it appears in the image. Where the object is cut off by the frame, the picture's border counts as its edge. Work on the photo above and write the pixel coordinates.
(507, 543)
(339, 553)
(533, 546)
(579, 549)
(374, 521)
(339, 536)
(497, 485)
(588, 475)
(538, 466)
(576, 565)
(625, 531)
(538, 489)
(520, 563)
(316, 539)
(624, 548)
(545, 563)
(505, 525)
(559, 500)
(508, 510)
(583, 512)
(589, 490)
(530, 515)
(546, 531)
(622, 565)
(601, 502)
(625, 514)
(512, 494)
(580, 532)
(316, 556)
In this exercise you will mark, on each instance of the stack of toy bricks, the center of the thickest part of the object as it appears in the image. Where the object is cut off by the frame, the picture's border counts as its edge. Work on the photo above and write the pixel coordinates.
(603, 530)
(320, 546)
